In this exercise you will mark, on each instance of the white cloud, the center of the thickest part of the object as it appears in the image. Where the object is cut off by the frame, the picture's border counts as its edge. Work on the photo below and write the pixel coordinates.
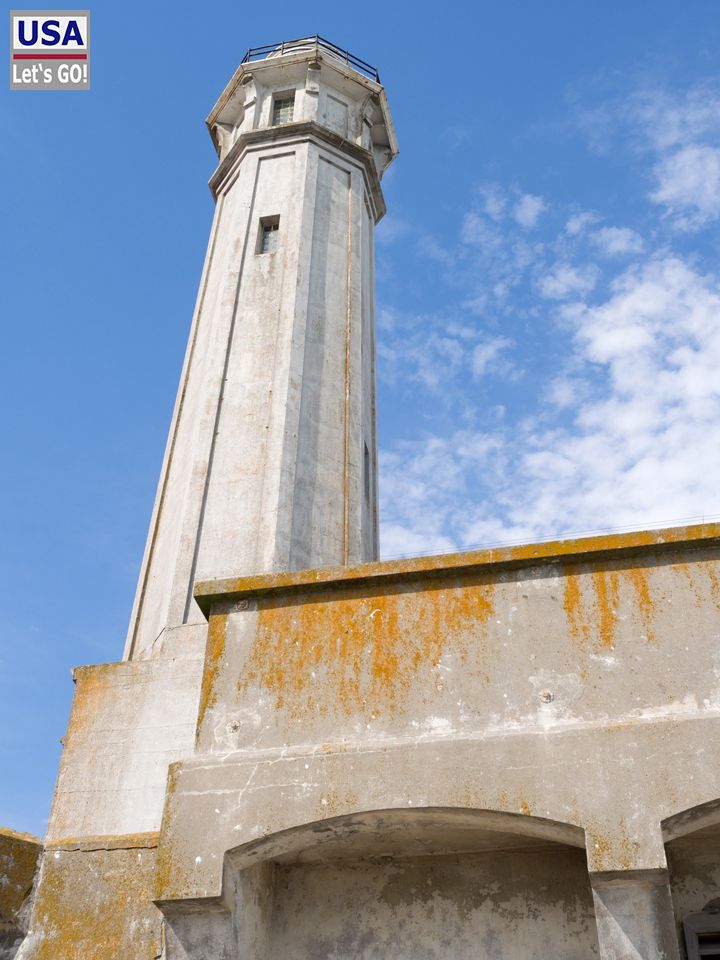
(485, 355)
(642, 445)
(493, 201)
(689, 184)
(579, 222)
(565, 281)
(565, 391)
(614, 241)
(528, 209)
(618, 422)
(669, 121)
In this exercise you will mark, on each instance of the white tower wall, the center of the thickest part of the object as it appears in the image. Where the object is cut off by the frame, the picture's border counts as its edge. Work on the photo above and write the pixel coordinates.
(271, 462)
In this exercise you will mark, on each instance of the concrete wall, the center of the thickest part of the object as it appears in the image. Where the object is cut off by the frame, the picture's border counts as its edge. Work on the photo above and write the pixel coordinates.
(557, 683)
(129, 721)
(93, 902)
(539, 695)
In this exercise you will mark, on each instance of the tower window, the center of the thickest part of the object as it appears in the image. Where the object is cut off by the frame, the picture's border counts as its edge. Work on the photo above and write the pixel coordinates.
(268, 234)
(366, 473)
(283, 107)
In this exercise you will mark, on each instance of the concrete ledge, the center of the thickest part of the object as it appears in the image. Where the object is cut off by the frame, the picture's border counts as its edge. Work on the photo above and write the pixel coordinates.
(613, 546)
(131, 841)
(300, 131)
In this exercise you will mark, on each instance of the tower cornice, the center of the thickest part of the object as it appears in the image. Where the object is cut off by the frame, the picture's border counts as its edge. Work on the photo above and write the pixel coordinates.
(301, 132)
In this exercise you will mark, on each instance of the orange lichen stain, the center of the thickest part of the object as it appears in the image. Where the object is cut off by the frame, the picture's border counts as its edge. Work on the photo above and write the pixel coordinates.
(575, 611)
(639, 579)
(361, 656)
(93, 905)
(525, 808)
(611, 848)
(334, 804)
(214, 653)
(710, 567)
(688, 571)
(606, 586)
(93, 692)
(599, 849)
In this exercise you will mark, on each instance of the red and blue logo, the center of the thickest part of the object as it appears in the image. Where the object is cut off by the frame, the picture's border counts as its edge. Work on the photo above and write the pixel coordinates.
(49, 49)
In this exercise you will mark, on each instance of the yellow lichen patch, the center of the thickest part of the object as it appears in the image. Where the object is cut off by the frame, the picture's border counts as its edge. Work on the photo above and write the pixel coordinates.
(214, 652)
(689, 572)
(95, 905)
(606, 586)
(575, 610)
(92, 693)
(711, 569)
(361, 655)
(645, 604)
(599, 850)
(333, 804)
(611, 847)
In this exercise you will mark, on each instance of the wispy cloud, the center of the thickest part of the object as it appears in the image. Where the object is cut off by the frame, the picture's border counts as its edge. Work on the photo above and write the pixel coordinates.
(613, 241)
(635, 451)
(688, 185)
(617, 421)
(564, 281)
(528, 209)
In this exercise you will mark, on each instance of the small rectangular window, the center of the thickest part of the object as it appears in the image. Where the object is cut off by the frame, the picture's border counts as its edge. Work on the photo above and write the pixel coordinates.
(268, 234)
(283, 107)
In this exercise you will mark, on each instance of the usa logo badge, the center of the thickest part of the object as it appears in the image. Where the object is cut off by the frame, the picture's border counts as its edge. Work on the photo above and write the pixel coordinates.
(49, 49)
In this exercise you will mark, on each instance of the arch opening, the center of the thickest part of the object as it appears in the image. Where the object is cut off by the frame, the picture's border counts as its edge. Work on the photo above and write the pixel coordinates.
(429, 883)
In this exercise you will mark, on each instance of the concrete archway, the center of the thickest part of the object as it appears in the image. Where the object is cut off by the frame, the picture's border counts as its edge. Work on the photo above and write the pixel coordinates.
(429, 882)
(692, 847)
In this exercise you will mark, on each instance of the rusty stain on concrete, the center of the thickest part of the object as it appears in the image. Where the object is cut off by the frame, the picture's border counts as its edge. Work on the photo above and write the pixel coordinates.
(368, 650)
(214, 652)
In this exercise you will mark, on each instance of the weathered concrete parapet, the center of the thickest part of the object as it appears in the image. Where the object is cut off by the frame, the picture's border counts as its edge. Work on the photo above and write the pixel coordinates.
(19, 856)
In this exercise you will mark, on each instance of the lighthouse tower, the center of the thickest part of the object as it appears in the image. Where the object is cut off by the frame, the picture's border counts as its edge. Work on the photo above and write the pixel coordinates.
(271, 462)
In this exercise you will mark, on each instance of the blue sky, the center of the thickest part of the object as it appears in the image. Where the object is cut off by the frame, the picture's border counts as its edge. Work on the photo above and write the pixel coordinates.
(548, 297)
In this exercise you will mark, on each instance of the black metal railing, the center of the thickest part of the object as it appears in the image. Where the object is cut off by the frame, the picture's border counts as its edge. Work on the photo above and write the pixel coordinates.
(312, 43)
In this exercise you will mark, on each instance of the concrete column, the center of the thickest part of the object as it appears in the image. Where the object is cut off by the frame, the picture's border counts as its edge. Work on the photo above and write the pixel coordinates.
(634, 915)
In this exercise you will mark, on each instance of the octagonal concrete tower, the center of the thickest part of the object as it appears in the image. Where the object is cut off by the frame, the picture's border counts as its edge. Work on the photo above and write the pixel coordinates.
(271, 459)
